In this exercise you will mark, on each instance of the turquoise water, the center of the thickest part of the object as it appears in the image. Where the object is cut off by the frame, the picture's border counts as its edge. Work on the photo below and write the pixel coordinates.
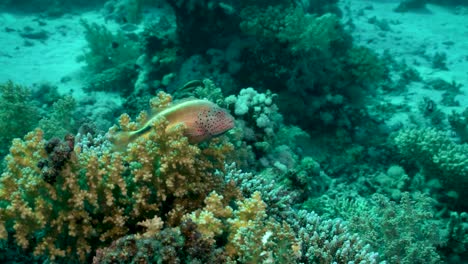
(147, 131)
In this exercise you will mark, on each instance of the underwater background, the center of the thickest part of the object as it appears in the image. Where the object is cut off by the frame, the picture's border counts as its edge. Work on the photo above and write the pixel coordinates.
(235, 131)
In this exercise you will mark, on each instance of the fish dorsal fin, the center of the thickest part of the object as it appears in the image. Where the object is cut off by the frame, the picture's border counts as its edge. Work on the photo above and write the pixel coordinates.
(175, 105)
(161, 102)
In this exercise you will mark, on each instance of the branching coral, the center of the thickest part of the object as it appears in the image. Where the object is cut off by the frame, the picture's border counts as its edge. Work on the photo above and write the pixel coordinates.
(118, 79)
(302, 32)
(253, 236)
(457, 228)
(261, 109)
(18, 114)
(217, 233)
(162, 247)
(106, 49)
(182, 244)
(213, 234)
(438, 156)
(404, 232)
(261, 124)
(59, 153)
(322, 240)
(313, 57)
(99, 196)
(365, 66)
(330, 241)
(459, 124)
(61, 120)
(278, 198)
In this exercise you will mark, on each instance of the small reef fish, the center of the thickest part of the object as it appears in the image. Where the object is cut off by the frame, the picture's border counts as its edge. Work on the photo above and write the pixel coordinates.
(202, 119)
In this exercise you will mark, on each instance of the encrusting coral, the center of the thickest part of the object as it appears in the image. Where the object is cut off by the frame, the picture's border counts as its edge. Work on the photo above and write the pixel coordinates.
(100, 194)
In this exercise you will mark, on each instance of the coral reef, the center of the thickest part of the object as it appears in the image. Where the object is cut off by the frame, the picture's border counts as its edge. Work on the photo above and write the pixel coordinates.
(183, 244)
(459, 124)
(403, 232)
(219, 234)
(58, 153)
(330, 241)
(306, 168)
(457, 229)
(99, 196)
(18, 115)
(106, 49)
(261, 124)
(118, 79)
(435, 153)
(253, 237)
(62, 118)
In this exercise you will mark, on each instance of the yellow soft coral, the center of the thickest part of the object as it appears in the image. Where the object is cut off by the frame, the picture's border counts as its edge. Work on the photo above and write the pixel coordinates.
(100, 193)
(209, 220)
(253, 237)
(153, 226)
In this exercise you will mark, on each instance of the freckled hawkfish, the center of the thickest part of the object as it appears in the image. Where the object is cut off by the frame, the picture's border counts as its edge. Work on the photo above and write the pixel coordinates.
(202, 120)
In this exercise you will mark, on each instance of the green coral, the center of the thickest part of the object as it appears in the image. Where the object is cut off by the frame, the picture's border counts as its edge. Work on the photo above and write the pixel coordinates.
(459, 124)
(18, 114)
(365, 65)
(330, 241)
(106, 49)
(119, 79)
(457, 228)
(303, 32)
(403, 232)
(61, 120)
(438, 156)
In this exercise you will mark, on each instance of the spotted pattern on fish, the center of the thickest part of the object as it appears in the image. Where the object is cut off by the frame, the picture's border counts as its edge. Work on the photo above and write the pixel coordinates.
(202, 120)
(213, 121)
